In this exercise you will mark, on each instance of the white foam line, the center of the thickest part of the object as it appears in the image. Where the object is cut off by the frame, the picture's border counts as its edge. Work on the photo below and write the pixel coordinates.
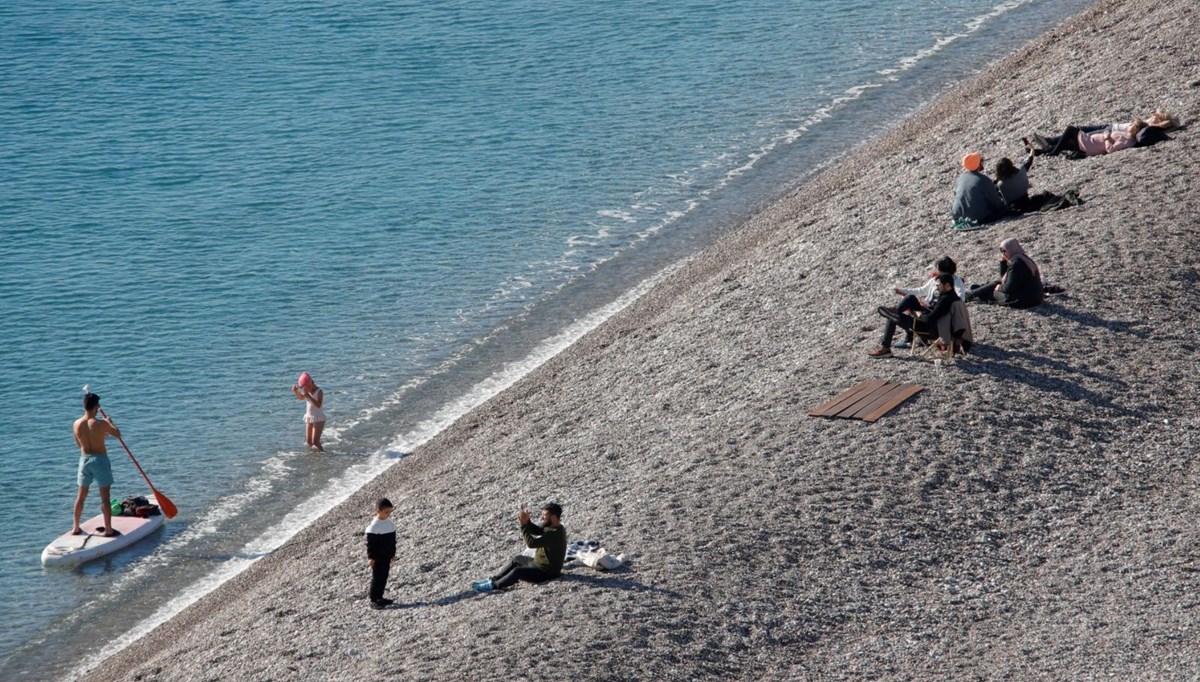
(514, 371)
(273, 469)
(356, 476)
(856, 92)
(623, 216)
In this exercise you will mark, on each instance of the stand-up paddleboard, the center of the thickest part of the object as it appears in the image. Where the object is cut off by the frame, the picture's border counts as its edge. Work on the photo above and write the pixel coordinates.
(72, 550)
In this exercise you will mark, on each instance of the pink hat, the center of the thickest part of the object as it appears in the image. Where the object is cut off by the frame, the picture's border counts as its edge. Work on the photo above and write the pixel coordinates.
(304, 381)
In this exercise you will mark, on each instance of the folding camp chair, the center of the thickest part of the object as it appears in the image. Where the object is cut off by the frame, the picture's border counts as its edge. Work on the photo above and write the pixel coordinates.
(954, 336)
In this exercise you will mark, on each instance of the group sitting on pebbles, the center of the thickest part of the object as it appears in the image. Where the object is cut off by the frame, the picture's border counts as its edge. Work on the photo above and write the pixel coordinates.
(979, 200)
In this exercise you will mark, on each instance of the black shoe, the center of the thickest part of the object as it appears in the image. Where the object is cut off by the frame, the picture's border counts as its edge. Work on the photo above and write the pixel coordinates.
(378, 604)
(386, 602)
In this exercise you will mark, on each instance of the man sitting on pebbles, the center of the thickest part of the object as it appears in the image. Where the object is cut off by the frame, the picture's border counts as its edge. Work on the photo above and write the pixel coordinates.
(550, 539)
(976, 197)
(925, 324)
(922, 298)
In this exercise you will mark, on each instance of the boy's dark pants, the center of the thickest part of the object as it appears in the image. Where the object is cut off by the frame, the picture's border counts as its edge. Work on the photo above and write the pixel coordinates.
(379, 577)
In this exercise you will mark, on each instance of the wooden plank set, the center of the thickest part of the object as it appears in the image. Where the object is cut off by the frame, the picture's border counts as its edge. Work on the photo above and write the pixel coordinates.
(867, 401)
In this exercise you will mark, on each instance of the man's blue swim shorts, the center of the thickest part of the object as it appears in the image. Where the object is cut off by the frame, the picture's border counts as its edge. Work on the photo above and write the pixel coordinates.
(97, 467)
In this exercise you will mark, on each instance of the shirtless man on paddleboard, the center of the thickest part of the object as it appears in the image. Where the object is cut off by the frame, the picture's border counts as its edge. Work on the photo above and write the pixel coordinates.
(90, 432)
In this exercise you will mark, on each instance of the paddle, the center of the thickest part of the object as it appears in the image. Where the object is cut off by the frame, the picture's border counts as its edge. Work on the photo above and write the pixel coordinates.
(164, 503)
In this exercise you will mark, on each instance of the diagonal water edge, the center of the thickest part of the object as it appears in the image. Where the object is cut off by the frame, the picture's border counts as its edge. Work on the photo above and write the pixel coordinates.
(789, 136)
(890, 75)
(341, 488)
(615, 223)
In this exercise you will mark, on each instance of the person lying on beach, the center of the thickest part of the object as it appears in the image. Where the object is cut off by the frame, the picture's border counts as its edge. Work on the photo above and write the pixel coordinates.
(1107, 142)
(381, 550)
(550, 539)
(975, 195)
(925, 323)
(1013, 182)
(1138, 133)
(922, 298)
(1158, 119)
(1020, 283)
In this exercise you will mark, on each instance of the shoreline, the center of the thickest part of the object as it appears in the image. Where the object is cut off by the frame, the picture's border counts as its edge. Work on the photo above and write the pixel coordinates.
(727, 279)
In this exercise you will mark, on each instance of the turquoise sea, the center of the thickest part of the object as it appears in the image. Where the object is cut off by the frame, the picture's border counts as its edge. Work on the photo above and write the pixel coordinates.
(416, 202)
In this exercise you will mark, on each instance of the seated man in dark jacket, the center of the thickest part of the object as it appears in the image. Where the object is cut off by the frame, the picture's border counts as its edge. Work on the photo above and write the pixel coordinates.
(550, 539)
(1020, 283)
(975, 195)
(924, 324)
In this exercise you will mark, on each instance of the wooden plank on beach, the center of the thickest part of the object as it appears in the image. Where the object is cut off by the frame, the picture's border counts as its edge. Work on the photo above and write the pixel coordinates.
(865, 399)
(868, 400)
(873, 412)
(830, 408)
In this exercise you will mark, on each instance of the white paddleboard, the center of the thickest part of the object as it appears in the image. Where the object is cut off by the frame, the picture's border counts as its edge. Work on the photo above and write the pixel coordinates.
(72, 550)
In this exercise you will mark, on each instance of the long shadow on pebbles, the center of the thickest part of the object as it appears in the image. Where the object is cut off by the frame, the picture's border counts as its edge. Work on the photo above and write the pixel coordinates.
(598, 581)
(1049, 308)
(1008, 365)
(609, 581)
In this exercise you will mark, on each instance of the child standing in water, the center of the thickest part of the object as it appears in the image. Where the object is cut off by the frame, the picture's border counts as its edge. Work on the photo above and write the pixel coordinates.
(314, 417)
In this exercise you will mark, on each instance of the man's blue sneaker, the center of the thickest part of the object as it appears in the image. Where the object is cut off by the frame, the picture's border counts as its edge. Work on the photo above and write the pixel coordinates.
(482, 586)
(902, 345)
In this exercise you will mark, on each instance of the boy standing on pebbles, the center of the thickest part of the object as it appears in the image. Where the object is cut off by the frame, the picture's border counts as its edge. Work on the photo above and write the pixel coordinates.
(381, 550)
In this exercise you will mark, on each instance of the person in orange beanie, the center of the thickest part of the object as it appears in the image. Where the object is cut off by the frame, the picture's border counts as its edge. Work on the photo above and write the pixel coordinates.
(975, 195)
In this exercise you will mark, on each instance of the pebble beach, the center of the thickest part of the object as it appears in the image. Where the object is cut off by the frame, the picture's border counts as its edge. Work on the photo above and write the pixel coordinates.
(1030, 514)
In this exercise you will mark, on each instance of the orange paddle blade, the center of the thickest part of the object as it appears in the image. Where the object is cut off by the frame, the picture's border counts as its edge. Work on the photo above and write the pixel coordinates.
(165, 504)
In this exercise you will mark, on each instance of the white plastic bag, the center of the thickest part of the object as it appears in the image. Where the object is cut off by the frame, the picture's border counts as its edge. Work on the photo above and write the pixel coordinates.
(601, 560)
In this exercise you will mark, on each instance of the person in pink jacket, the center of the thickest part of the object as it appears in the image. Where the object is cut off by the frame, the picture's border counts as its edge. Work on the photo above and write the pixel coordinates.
(1098, 139)
(1108, 141)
